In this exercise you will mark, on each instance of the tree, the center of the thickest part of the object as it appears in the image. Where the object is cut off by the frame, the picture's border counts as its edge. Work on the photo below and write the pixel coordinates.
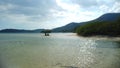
(100, 28)
(46, 31)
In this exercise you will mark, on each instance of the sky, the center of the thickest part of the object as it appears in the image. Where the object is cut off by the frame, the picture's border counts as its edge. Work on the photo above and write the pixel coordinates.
(48, 14)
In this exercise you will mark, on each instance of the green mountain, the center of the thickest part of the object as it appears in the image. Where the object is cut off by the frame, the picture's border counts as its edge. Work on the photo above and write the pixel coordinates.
(109, 17)
(106, 28)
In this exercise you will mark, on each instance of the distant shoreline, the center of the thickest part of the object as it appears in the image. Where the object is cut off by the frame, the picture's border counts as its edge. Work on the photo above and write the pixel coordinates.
(97, 37)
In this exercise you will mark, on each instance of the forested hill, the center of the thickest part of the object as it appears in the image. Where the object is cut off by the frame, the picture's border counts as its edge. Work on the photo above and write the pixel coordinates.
(109, 17)
(20, 31)
(100, 28)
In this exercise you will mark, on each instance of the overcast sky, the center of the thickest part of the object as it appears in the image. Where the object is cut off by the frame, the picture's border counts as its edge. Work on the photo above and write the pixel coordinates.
(35, 14)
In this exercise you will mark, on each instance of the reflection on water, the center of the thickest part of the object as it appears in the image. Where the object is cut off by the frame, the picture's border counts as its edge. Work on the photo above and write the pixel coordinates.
(108, 44)
(118, 44)
(57, 51)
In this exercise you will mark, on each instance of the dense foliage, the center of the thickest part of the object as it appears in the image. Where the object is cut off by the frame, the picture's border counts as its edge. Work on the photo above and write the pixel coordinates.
(46, 31)
(100, 28)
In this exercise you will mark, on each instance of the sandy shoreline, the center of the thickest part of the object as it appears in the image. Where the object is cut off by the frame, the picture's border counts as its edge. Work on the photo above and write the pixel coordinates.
(98, 37)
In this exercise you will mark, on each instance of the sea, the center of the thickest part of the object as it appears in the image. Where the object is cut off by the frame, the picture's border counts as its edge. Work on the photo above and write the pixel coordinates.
(59, 50)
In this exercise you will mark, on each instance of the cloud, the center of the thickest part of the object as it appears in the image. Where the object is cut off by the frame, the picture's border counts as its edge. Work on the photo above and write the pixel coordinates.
(29, 10)
(67, 6)
(117, 0)
(27, 7)
(52, 13)
(116, 7)
(6, 7)
(84, 4)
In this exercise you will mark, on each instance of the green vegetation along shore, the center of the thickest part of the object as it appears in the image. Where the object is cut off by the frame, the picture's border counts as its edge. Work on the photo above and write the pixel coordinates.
(100, 28)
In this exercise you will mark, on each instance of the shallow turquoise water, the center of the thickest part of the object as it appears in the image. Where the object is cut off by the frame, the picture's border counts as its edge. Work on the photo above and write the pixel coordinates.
(59, 50)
